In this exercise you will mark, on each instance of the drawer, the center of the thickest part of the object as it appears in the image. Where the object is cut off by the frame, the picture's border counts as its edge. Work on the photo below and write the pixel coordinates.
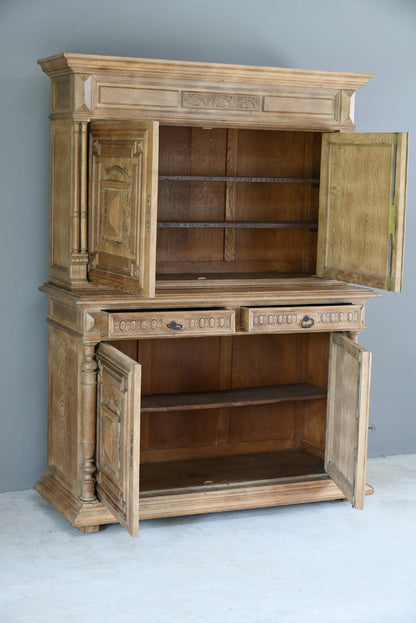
(173, 323)
(294, 319)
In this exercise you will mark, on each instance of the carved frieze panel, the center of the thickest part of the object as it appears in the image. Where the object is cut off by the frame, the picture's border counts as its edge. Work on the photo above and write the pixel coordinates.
(171, 91)
(220, 100)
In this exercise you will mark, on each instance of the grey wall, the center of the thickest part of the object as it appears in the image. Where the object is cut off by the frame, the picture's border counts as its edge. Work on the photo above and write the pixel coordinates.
(376, 36)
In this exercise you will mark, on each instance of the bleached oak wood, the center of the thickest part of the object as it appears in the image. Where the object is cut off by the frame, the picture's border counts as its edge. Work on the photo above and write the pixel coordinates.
(307, 319)
(347, 417)
(168, 323)
(235, 407)
(88, 391)
(288, 491)
(362, 209)
(118, 435)
(243, 225)
(123, 200)
(81, 515)
(177, 293)
(88, 517)
(231, 397)
(213, 93)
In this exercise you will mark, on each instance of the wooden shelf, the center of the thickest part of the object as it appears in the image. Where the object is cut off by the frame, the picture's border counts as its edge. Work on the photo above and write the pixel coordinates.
(228, 470)
(242, 225)
(234, 178)
(231, 398)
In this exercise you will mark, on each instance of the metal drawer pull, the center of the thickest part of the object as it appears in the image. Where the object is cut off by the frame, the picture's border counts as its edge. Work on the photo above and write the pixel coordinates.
(175, 326)
(307, 322)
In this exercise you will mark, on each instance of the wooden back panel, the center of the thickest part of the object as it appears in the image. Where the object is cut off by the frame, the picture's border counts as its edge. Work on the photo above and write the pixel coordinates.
(220, 363)
(236, 153)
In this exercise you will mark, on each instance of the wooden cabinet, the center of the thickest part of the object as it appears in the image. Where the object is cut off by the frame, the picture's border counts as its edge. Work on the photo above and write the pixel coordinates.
(208, 226)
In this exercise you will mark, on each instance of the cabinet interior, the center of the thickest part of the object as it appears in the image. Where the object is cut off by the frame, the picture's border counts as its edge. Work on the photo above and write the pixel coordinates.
(237, 203)
(218, 410)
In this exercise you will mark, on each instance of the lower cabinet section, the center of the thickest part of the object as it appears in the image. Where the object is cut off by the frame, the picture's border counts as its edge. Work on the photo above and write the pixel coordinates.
(217, 423)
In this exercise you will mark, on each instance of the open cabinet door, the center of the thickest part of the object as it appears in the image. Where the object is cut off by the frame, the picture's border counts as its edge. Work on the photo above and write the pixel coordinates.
(123, 205)
(347, 417)
(118, 435)
(362, 209)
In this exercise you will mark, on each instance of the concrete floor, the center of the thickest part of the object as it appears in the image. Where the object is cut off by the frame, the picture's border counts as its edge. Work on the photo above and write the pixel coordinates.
(317, 562)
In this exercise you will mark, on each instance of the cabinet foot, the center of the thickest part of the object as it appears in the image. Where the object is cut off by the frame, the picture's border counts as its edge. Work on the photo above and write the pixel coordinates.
(84, 516)
(88, 529)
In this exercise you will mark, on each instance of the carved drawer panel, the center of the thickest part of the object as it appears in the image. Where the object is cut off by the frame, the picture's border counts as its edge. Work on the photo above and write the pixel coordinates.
(168, 323)
(294, 319)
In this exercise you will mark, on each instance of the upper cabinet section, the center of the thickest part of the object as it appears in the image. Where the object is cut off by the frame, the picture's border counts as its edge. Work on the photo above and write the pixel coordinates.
(171, 175)
(99, 87)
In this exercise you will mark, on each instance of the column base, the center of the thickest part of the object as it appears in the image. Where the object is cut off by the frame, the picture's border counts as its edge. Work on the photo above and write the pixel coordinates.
(86, 516)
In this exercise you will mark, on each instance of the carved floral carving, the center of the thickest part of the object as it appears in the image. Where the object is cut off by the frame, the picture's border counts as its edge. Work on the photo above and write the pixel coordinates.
(195, 99)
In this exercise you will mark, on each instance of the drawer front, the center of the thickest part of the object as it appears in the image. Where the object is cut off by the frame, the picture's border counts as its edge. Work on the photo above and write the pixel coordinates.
(168, 323)
(296, 319)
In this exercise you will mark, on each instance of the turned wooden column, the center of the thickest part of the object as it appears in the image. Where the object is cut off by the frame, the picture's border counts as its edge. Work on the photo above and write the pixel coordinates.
(88, 419)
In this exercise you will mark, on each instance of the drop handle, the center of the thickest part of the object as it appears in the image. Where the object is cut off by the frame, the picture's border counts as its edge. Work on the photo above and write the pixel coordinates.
(307, 322)
(175, 326)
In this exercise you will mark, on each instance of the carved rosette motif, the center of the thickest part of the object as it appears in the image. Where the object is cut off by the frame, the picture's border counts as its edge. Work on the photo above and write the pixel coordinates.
(224, 101)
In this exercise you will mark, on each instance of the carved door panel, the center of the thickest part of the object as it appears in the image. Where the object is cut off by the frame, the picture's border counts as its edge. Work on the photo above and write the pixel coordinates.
(123, 205)
(118, 435)
(362, 208)
(347, 417)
